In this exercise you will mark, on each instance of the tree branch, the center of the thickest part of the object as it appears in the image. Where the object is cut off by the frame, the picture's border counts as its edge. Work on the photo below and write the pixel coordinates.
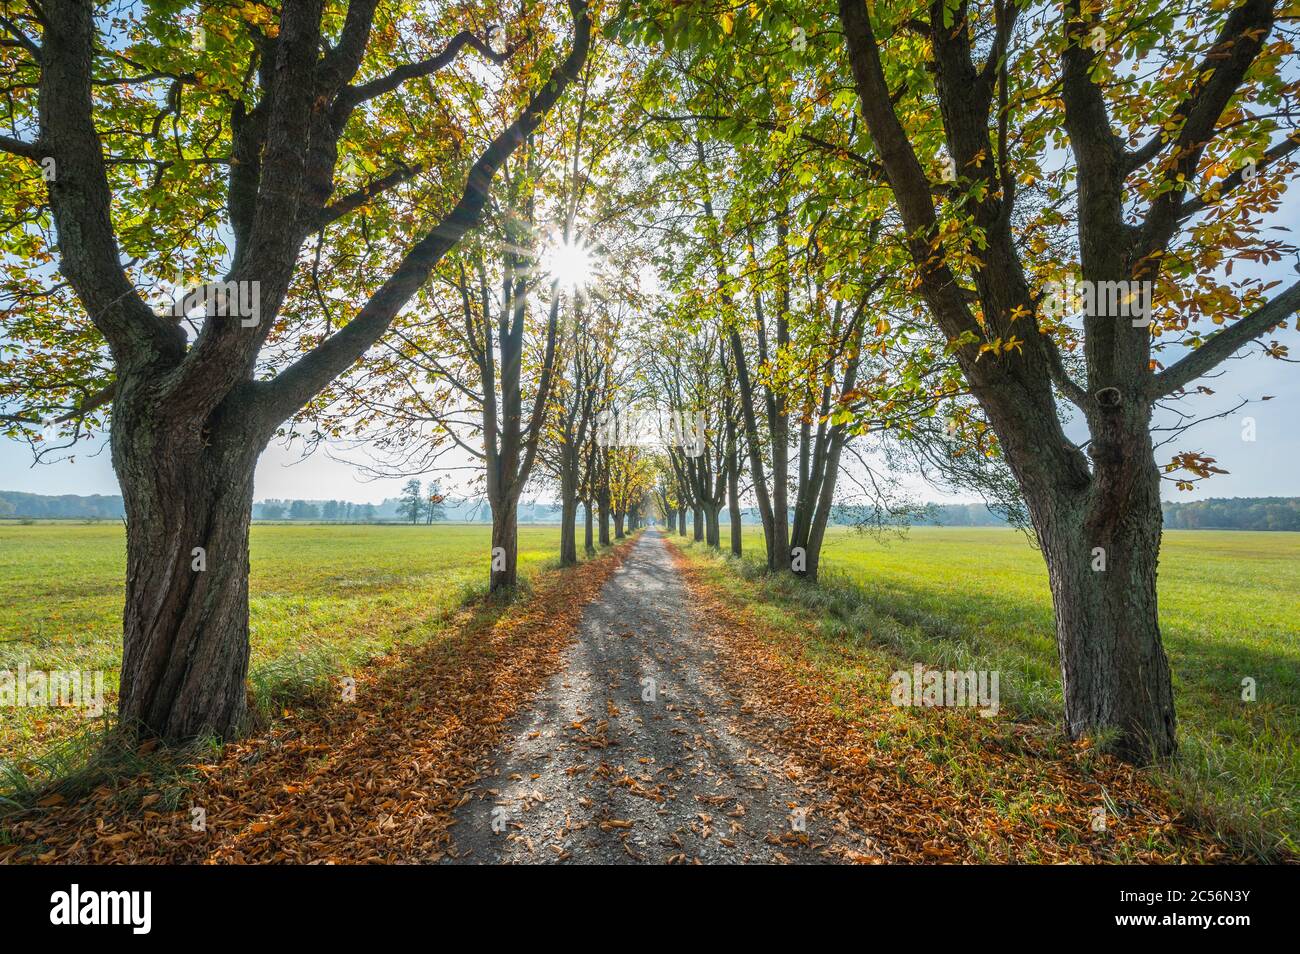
(1223, 344)
(1239, 43)
(354, 95)
(80, 197)
(350, 203)
(21, 38)
(1216, 192)
(298, 383)
(1061, 377)
(92, 403)
(28, 150)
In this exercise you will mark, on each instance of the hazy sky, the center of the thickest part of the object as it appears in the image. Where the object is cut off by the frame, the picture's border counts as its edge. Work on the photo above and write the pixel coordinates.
(1268, 467)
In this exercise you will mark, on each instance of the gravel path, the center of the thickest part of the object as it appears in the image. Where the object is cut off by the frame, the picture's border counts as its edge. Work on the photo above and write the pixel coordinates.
(637, 753)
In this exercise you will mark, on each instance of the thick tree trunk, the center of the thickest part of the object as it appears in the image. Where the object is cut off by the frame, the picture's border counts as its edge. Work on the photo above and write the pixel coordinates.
(618, 524)
(825, 501)
(569, 515)
(733, 488)
(697, 522)
(733, 511)
(681, 521)
(780, 546)
(589, 538)
(712, 534)
(505, 546)
(569, 533)
(1101, 559)
(185, 625)
(604, 519)
(671, 516)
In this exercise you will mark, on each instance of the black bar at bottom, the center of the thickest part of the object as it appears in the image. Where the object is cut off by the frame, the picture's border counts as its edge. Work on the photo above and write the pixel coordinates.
(333, 904)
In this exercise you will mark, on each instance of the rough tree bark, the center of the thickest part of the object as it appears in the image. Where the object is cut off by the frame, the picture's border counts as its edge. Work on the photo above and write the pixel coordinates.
(190, 419)
(733, 489)
(1106, 503)
(604, 499)
(569, 518)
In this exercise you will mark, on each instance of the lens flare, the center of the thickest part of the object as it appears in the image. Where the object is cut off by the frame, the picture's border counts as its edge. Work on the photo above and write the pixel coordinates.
(569, 263)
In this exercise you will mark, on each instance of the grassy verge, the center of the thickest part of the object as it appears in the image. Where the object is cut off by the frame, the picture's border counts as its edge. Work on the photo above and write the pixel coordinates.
(977, 599)
(372, 778)
(325, 600)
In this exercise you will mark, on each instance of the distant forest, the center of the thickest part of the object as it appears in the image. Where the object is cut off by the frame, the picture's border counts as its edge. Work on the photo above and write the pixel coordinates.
(96, 507)
(1231, 513)
(1234, 513)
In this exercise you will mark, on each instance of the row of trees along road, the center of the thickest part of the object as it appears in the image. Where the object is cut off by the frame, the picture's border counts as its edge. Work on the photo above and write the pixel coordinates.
(325, 158)
(513, 353)
(853, 214)
(965, 156)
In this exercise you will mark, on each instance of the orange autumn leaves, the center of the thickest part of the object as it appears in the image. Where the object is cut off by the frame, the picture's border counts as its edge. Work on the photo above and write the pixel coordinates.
(372, 781)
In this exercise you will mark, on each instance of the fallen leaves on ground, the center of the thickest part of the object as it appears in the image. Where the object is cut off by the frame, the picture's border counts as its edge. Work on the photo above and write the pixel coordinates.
(933, 785)
(375, 780)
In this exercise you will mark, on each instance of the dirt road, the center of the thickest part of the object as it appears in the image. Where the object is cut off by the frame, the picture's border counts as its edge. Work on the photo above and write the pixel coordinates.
(636, 751)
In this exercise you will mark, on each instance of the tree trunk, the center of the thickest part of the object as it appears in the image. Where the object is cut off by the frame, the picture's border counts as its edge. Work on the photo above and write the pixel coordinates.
(697, 522)
(505, 546)
(569, 515)
(681, 521)
(670, 516)
(618, 524)
(733, 511)
(780, 549)
(733, 487)
(604, 518)
(1114, 672)
(822, 511)
(185, 625)
(712, 534)
(589, 541)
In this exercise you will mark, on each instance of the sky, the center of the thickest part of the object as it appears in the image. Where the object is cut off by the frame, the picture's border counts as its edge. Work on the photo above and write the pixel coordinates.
(1267, 467)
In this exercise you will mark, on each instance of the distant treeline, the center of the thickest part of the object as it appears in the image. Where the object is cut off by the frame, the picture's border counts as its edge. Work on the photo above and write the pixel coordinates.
(98, 507)
(64, 506)
(456, 510)
(1232, 513)
(1228, 513)
(331, 511)
(961, 515)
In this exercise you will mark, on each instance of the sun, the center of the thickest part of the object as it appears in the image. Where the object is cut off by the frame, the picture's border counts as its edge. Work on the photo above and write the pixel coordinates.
(569, 263)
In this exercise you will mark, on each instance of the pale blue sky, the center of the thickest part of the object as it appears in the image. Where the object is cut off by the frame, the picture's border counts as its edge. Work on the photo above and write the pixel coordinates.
(1268, 467)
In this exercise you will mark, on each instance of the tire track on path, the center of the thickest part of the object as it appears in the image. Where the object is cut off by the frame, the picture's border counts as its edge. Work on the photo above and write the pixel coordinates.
(637, 753)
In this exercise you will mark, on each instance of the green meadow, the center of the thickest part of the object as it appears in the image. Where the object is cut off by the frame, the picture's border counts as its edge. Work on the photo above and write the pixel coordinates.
(324, 599)
(327, 598)
(978, 598)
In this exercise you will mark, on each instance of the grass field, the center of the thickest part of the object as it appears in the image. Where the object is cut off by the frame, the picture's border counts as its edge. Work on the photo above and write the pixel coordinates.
(327, 598)
(978, 598)
(324, 598)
